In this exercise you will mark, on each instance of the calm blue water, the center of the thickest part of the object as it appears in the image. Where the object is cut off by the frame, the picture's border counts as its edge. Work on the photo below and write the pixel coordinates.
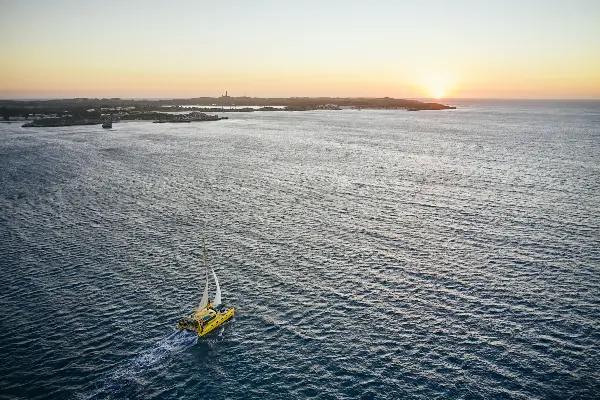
(371, 254)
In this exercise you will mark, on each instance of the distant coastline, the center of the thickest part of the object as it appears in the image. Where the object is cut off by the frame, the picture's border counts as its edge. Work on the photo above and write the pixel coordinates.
(86, 111)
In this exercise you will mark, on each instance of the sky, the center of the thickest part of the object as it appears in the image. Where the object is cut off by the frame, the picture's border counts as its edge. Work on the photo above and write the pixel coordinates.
(376, 48)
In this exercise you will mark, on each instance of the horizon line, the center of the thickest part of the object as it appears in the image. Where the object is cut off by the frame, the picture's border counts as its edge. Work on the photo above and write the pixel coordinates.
(306, 97)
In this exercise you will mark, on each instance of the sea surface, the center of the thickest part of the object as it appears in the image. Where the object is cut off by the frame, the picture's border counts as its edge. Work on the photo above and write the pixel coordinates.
(369, 255)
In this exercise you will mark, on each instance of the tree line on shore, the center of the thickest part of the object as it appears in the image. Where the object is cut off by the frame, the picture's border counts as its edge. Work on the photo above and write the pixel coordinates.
(91, 107)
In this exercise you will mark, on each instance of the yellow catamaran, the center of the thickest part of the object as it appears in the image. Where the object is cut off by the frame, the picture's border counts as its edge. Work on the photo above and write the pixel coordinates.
(209, 314)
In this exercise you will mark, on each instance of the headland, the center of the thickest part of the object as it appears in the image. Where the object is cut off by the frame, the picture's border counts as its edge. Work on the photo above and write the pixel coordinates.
(89, 111)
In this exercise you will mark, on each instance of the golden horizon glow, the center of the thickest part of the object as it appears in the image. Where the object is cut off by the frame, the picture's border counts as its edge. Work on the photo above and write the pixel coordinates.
(59, 48)
(438, 84)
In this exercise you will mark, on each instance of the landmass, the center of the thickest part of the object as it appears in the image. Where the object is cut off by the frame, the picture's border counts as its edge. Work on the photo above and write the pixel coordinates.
(157, 117)
(89, 111)
(161, 117)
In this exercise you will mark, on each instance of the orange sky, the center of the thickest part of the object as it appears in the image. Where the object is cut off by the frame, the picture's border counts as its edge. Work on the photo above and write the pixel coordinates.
(530, 49)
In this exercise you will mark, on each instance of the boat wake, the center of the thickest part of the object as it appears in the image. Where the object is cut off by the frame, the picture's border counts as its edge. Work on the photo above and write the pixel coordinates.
(129, 377)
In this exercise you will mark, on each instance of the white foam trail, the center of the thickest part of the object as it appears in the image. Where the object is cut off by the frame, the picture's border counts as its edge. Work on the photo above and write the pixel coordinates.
(131, 370)
(177, 341)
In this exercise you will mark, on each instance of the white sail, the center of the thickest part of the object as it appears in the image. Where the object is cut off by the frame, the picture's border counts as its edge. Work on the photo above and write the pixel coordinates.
(217, 300)
(204, 301)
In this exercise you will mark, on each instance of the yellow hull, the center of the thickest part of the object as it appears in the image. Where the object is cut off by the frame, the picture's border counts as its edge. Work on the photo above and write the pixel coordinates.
(217, 321)
(193, 322)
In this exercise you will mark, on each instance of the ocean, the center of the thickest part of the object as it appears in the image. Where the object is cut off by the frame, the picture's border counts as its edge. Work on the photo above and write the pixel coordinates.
(369, 254)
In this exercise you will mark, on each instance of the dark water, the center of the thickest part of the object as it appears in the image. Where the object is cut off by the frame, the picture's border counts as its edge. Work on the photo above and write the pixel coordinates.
(371, 254)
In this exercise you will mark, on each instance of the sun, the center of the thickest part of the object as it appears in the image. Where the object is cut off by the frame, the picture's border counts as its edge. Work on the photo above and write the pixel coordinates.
(437, 86)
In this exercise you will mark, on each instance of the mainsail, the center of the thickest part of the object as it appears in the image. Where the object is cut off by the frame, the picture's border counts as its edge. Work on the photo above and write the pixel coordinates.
(217, 300)
(204, 301)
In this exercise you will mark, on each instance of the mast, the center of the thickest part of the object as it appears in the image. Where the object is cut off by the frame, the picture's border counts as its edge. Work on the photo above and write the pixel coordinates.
(217, 299)
(204, 301)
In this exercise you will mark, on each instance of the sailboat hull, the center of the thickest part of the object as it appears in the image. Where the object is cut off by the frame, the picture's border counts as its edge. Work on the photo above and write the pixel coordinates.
(198, 322)
(214, 323)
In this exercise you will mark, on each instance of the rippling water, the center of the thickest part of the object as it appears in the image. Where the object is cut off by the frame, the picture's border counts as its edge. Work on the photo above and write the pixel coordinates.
(371, 254)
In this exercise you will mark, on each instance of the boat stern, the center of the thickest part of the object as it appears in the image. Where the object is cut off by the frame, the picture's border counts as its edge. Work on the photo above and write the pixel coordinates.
(188, 323)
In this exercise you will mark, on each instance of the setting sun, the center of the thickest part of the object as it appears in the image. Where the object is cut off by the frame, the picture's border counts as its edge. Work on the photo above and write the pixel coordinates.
(454, 57)
(437, 85)
(398, 198)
